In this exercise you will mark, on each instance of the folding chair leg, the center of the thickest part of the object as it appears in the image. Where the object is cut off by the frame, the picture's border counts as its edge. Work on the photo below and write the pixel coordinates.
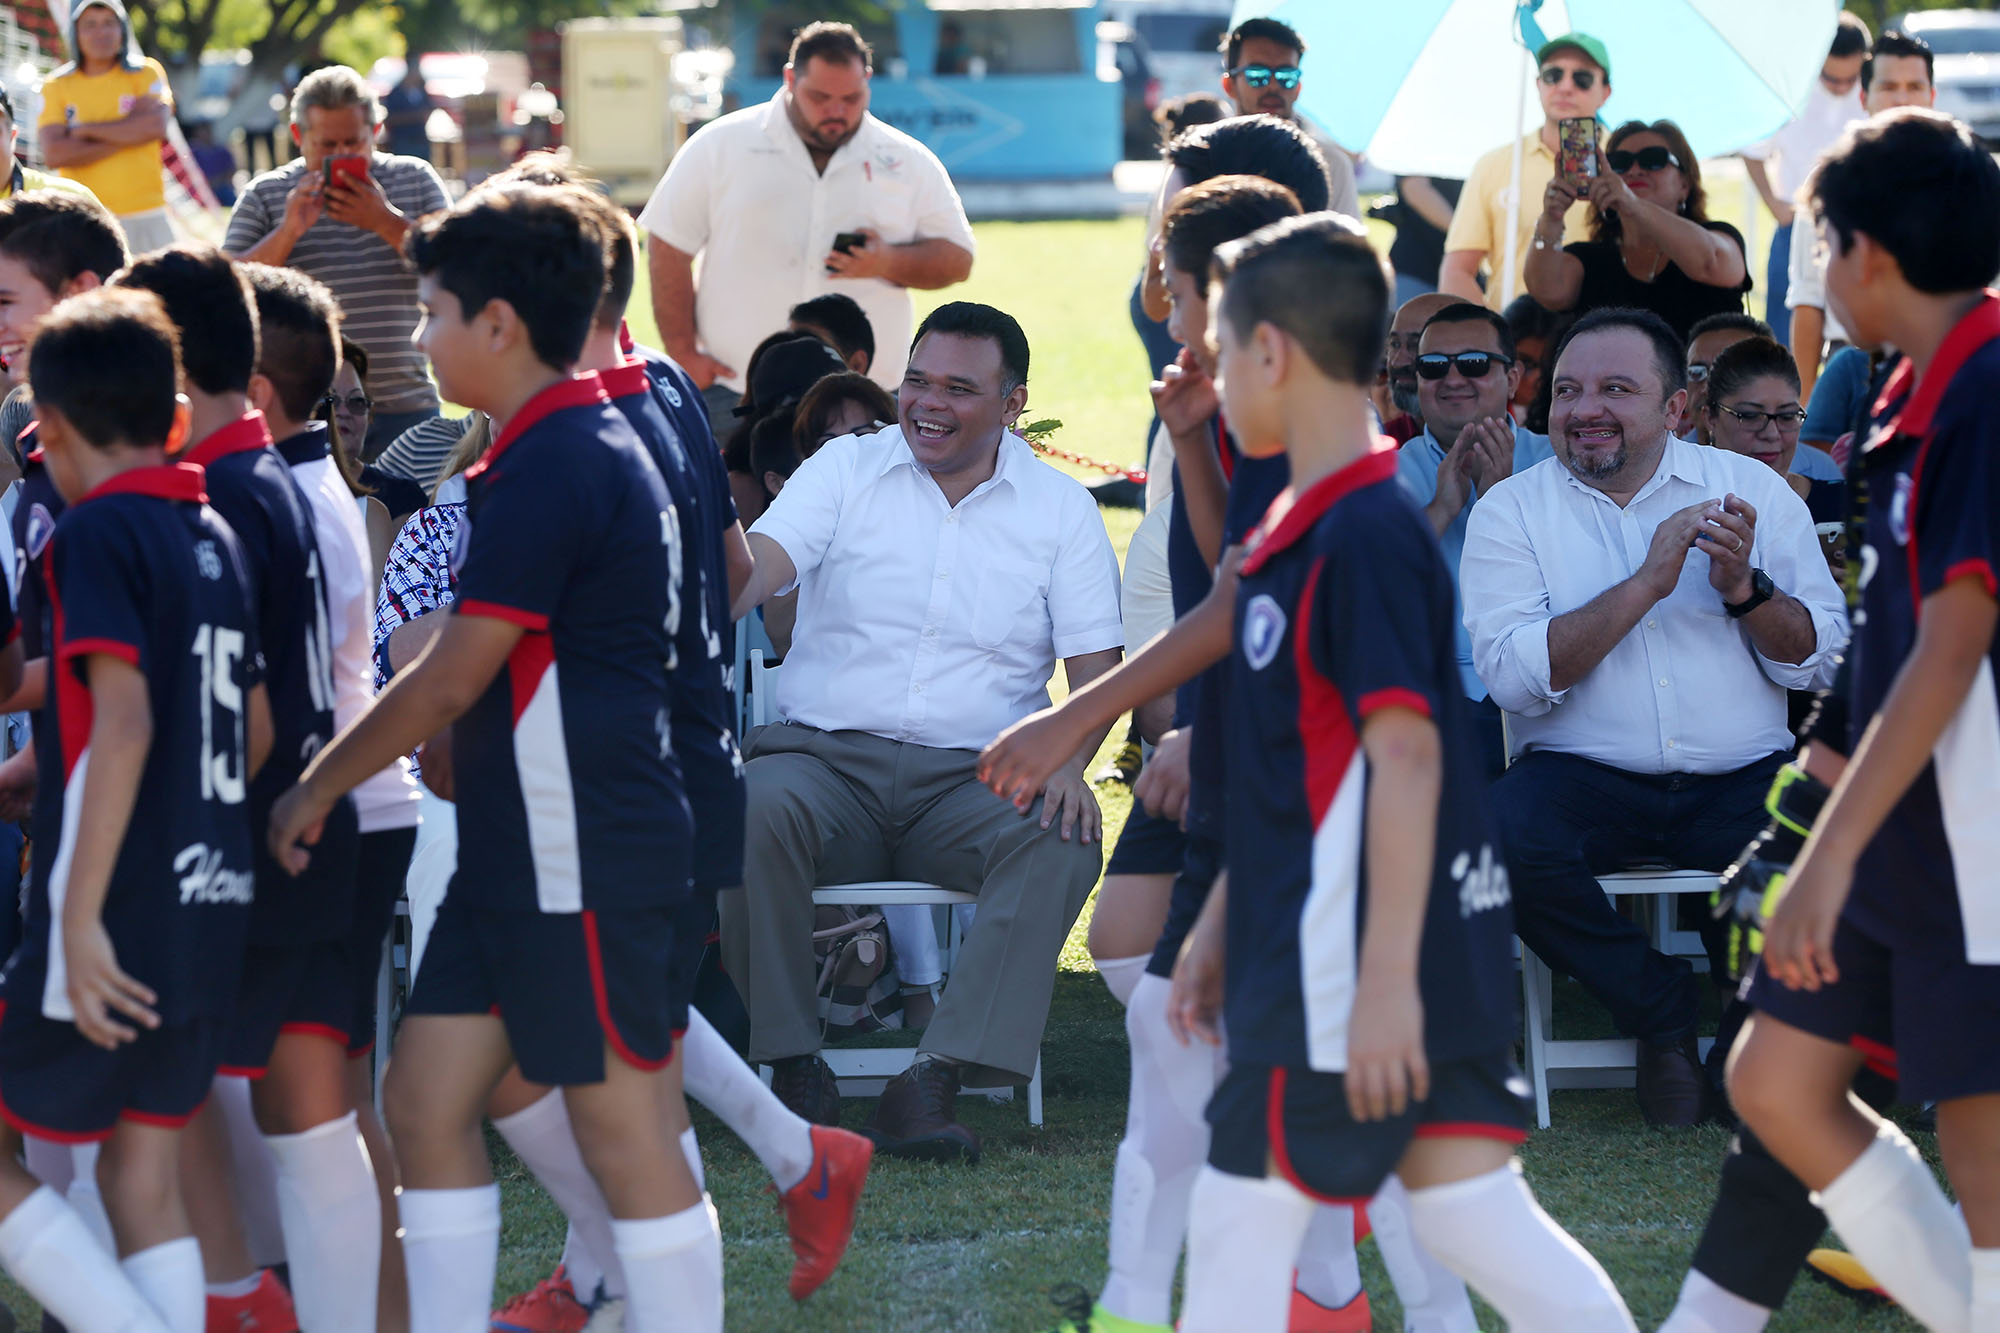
(385, 998)
(1035, 1094)
(1537, 994)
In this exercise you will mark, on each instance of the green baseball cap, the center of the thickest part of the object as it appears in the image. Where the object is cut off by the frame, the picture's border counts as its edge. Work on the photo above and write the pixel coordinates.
(1583, 42)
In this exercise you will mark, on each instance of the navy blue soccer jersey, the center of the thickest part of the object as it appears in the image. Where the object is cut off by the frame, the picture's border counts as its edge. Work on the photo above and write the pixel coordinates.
(36, 510)
(690, 418)
(1931, 471)
(569, 794)
(704, 738)
(251, 486)
(1346, 607)
(142, 570)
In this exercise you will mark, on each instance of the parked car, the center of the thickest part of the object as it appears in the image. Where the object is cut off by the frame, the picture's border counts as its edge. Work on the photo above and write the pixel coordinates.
(1122, 58)
(1967, 46)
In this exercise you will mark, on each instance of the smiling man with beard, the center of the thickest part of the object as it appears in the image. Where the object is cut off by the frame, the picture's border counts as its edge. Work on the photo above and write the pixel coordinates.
(1639, 605)
(942, 570)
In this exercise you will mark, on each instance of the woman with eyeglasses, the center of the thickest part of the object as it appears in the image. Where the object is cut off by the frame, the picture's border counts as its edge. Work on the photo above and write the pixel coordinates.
(1753, 409)
(1652, 244)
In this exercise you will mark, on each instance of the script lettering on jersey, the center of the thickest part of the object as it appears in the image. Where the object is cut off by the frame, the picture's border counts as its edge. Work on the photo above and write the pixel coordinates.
(670, 537)
(1482, 884)
(204, 881)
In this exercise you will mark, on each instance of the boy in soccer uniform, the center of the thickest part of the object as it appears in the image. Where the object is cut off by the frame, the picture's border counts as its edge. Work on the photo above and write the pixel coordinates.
(1367, 973)
(1886, 941)
(116, 1006)
(295, 1006)
(551, 672)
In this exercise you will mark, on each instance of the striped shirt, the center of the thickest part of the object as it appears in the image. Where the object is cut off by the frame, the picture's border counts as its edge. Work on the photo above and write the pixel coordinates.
(419, 453)
(376, 289)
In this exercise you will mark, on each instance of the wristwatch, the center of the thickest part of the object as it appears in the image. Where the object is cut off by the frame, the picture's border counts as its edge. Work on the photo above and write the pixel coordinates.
(1761, 591)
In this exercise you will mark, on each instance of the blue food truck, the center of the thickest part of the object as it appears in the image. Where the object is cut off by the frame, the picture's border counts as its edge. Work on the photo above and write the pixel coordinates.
(998, 89)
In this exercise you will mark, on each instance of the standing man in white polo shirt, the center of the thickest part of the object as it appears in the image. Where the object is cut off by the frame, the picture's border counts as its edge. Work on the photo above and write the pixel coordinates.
(762, 194)
(942, 571)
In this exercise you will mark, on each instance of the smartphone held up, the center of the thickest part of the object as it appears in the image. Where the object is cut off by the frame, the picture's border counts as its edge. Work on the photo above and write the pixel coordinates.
(351, 168)
(1576, 149)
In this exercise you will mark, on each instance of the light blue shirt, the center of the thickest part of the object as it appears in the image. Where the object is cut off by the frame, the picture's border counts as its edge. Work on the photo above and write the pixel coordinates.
(1417, 470)
(1815, 464)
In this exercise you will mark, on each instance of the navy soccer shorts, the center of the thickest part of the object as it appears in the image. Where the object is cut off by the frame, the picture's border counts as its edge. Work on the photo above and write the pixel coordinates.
(1198, 872)
(381, 868)
(304, 990)
(1298, 1120)
(1147, 845)
(58, 1086)
(566, 985)
(694, 926)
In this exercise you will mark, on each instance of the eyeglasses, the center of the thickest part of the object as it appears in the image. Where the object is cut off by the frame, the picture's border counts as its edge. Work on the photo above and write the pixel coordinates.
(1257, 76)
(1584, 79)
(1785, 419)
(1652, 158)
(357, 404)
(1472, 365)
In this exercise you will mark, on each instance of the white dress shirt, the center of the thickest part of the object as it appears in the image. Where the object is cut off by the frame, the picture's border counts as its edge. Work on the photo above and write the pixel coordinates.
(930, 623)
(743, 195)
(1790, 153)
(1808, 285)
(1685, 691)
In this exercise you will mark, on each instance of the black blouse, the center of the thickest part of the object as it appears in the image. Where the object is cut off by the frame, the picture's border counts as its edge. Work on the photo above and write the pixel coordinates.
(1673, 295)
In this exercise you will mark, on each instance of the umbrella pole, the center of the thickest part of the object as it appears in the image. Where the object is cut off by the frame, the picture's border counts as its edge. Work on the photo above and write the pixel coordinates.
(1511, 246)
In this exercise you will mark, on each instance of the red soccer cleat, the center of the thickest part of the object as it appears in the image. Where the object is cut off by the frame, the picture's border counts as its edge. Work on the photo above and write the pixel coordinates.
(268, 1309)
(819, 1210)
(1309, 1316)
(550, 1306)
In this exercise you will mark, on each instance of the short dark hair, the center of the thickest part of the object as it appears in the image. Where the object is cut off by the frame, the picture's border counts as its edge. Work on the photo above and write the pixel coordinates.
(838, 42)
(59, 235)
(1733, 320)
(1896, 42)
(1669, 352)
(1919, 185)
(621, 241)
(209, 301)
(1753, 358)
(1218, 210)
(527, 245)
(772, 448)
(834, 391)
(969, 319)
(298, 334)
(843, 319)
(1263, 146)
(1466, 312)
(354, 354)
(1850, 36)
(1270, 30)
(1187, 111)
(1528, 318)
(1315, 278)
(108, 362)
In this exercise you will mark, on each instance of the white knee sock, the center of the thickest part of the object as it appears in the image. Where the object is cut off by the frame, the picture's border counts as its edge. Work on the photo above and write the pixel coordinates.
(1434, 1298)
(50, 1162)
(254, 1171)
(45, 1246)
(1122, 974)
(583, 1269)
(691, 1149)
(451, 1250)
(1986, 1291)
(1705, 1307)
(1165, 1141)
(541, 1137)
(1328, 1271)
(1243, 1240)
(674, 1267)
(1888, 1208)
(1491, 1232)
(169, 1277)
(718, 1079)
(87, 1199)
(332, 1217)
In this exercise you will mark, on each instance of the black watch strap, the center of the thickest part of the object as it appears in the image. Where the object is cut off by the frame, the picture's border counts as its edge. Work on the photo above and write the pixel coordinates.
(1761, 591)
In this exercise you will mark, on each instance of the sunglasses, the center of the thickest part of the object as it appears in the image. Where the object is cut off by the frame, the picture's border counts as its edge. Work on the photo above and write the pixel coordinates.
(1789, 418)
(1697, 371)
(1472, 365)
(357, 404)
(1583, 79)
(1651, 158)
(1257, 76)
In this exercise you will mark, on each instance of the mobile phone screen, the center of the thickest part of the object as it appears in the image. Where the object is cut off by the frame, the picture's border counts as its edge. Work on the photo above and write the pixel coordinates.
(1576, 157)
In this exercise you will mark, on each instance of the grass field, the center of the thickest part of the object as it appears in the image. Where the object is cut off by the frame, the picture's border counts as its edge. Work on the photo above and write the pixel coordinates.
(965, 1249)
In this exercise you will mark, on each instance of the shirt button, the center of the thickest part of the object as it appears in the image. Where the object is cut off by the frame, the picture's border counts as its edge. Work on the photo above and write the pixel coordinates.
(930, 632)
(918, 688)
(951, 518)
(1673, 745)
(1663, 682)
(1652, 624)
(944, 573)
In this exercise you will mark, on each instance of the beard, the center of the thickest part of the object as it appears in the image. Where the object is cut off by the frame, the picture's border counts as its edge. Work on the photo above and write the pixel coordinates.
(820, 141)
(1598, 469)
(1403, 396)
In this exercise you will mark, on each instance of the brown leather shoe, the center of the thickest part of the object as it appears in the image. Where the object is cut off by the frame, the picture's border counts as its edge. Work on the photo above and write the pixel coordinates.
(807, 1088)
(1673, 1088)
(917, 1119)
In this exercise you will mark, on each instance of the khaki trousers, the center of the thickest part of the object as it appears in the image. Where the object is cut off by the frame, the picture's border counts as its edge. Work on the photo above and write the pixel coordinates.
(829, 807)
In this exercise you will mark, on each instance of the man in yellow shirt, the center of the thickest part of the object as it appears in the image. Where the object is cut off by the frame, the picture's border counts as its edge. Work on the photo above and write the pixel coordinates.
(1575, 80)
(104, 116)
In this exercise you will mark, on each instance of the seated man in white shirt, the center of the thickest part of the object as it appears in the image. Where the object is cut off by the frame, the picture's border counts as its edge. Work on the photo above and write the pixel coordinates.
(942, 569)
(1640, 605)
(1466, 376)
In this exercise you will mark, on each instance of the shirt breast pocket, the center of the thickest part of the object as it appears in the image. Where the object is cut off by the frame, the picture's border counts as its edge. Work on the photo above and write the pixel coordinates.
(1012, 606)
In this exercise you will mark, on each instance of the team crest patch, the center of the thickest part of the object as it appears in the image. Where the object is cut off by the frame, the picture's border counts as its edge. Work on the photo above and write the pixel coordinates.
(1263, 631)
(41, 527)
(1899, 509)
